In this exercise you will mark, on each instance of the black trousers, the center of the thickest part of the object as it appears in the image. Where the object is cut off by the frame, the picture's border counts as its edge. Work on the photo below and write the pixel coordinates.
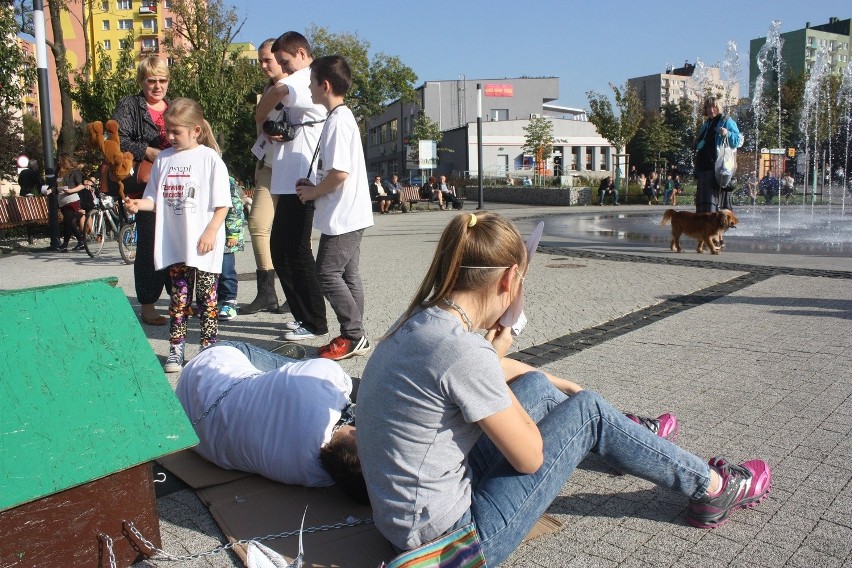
(290, 247)
(149, 282)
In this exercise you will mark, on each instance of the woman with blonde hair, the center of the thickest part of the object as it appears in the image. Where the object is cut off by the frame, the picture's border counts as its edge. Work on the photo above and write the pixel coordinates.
(451, 432)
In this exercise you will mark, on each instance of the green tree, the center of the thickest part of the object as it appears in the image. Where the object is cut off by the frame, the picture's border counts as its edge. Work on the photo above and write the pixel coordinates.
(539, 141)
(17, 70)
(655, 142)
(11, 144)
(424, 128)
(97, 97)
(617, 129)
(207, 69)
(376, 79)
(33, 145)
(67, 139)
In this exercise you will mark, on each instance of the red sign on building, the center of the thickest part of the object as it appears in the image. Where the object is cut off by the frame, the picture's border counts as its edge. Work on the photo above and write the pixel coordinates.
(495, 90)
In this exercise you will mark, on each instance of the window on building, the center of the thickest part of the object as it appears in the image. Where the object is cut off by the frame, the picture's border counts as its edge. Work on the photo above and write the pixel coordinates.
(167, 4)
(167, 23)
(123, 44)
(149, 25)
(107, 44)
(105, 5)
(149, 45)
(125, 5)
(499, 114)
(105, 25)
(394, 127)
(125, 24)
(372, 137)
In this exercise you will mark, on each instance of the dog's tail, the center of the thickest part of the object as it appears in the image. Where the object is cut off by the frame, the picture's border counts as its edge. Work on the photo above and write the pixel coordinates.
(667, 216)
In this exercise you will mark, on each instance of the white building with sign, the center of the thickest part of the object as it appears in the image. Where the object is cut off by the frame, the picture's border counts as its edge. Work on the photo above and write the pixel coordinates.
(507, 107)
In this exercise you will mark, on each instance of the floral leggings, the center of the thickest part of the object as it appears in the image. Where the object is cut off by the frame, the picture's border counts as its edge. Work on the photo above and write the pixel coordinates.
(184, 278)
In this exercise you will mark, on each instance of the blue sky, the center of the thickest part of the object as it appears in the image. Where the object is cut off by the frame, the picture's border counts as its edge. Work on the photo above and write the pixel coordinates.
(586, 44)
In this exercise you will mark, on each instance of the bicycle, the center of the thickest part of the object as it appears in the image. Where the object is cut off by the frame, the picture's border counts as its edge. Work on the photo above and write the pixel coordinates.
(109, 220)
(742, 195)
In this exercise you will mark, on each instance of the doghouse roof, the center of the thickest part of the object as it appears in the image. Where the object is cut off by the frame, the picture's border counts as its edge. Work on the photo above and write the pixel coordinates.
(82, 394)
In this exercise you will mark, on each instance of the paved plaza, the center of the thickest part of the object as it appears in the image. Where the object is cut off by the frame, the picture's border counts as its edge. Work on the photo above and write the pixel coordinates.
(752, 351)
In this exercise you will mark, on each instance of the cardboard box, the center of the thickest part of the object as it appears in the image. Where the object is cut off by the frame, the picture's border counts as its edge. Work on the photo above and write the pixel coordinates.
(248, 506)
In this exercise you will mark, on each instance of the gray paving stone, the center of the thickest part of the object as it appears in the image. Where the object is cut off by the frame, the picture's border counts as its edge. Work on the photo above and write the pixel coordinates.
(759, 371)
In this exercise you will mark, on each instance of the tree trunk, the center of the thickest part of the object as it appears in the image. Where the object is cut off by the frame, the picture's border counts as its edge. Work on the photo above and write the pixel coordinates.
(67, 141)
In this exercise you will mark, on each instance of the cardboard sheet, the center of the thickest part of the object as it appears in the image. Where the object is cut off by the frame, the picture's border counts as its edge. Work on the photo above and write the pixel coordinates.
(249, 506)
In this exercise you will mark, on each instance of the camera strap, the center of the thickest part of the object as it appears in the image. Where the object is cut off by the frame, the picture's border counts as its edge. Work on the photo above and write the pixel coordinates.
(319, 141)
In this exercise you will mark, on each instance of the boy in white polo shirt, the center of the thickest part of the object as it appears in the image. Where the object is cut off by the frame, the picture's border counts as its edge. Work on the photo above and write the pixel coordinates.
(342, 207)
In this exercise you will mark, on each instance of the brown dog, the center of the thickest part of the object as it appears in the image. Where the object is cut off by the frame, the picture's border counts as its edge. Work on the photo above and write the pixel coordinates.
(707, 228)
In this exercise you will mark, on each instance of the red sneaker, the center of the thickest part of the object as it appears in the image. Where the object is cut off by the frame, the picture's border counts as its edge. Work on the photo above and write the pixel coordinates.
(342, 348)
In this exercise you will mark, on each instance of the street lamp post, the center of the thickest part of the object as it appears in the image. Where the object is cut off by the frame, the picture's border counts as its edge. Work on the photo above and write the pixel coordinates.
(46, 126)
(479, 141)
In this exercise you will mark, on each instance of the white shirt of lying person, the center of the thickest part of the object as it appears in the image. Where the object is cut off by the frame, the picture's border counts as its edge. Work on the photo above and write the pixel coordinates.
(273, 423)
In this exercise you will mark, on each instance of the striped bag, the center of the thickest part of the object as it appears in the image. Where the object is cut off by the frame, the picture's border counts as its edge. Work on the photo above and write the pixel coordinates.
(458, 549)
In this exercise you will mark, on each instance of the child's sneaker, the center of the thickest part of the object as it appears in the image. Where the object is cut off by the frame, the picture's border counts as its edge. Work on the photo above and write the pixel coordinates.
(174, 362)
(298, 334)
(342, 348)
(665, 425)
(228, 311)
(743, 486)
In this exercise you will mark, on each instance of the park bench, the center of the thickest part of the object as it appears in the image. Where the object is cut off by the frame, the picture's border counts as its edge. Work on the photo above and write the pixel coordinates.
(29, 212)
(411, 195)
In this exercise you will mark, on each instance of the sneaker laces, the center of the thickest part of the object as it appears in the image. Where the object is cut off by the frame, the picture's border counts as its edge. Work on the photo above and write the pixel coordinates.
(727, 470)
(651, 424)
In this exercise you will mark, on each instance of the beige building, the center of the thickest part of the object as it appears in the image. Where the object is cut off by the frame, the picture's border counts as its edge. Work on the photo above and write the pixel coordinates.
(677, 84)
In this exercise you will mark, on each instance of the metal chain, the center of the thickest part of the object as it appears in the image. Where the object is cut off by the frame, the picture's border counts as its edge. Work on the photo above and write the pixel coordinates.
(162, 554)
(107, 543)
(218, 400)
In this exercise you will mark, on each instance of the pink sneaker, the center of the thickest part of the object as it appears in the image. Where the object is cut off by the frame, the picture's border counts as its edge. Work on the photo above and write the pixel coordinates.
(743, 487)
(665, 425)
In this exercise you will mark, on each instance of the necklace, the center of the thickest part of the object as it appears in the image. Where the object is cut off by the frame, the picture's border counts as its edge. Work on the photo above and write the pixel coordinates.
(461, 312)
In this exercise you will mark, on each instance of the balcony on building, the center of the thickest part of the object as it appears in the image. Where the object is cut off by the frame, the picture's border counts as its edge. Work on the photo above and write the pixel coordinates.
(148, 10)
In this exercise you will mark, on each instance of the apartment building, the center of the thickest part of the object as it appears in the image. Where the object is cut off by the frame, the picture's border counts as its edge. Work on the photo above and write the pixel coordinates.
(680, 83)
(800, 47)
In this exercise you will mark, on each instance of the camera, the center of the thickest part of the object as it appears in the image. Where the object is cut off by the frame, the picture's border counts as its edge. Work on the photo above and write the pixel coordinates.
(279, 128)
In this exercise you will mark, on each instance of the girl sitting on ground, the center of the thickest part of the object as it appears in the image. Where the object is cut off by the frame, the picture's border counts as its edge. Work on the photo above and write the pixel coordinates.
(451, 432)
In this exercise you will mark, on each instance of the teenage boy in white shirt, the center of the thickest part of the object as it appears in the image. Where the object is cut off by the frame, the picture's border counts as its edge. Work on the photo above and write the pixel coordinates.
(341, 199)
(290, 238)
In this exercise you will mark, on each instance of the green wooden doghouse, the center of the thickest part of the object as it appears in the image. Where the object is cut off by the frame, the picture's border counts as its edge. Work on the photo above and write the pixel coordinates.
(84, 409)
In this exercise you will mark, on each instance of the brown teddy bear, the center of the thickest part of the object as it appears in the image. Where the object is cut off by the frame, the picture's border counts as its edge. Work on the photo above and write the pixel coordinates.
(119, 165)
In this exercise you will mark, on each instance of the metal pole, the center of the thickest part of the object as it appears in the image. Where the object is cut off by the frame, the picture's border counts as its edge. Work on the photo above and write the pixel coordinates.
(46, 126)
(479, 140)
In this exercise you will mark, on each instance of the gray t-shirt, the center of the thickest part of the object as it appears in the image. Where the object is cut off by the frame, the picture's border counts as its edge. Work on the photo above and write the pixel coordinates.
(422, 392)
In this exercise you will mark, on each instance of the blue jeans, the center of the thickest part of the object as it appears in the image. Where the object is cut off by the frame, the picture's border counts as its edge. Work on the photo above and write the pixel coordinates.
(261, 358)
(228, 278)
(506, 504)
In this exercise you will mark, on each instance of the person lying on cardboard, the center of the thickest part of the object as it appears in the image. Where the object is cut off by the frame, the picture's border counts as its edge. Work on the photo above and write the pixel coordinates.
(288, 420)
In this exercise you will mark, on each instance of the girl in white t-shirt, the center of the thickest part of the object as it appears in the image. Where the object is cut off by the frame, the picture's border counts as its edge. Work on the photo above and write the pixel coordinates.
(189, 190)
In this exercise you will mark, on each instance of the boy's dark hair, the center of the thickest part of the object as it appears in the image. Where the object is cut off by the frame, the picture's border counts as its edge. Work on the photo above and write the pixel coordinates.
(335, 70)
(340, 459)
(291, 42)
